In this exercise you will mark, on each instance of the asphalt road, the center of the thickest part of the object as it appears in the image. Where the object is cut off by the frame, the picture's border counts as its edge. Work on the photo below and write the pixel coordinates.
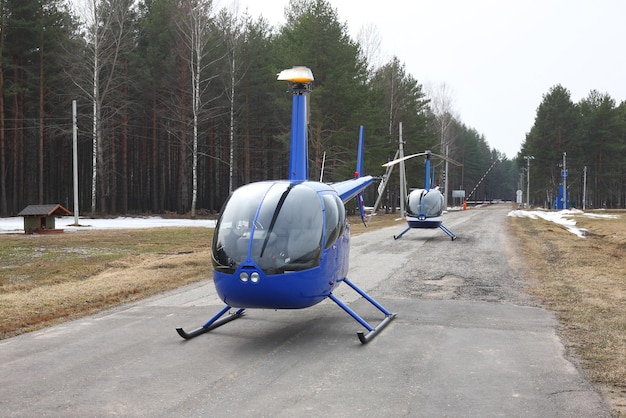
(467, 342)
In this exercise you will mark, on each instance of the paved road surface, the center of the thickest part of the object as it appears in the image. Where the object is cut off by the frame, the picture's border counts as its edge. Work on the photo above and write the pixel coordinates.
(467, 342)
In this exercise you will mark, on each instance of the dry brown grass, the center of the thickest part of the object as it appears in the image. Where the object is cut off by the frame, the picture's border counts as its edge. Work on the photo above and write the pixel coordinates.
(377, 221)
(583, 280)
(46, 279)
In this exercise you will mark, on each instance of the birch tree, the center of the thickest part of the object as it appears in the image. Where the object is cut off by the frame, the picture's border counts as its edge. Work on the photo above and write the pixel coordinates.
(442, 107)
(195, 30)
(370, 42)
(233, 28)
(107, 24)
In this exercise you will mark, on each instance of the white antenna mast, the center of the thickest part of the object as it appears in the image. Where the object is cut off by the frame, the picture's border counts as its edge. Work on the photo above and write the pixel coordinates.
(322, 172)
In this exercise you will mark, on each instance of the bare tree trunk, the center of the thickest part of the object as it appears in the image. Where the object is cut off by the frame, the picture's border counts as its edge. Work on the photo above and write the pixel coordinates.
(232, 28)
(23, 193)
(197, 57)
(247, 178)
(108, 33)
(3, 168)
(442, 107)
(155, 156)
(231, 156)
(17, 140)
(211, 171)
(370, 41)
(41, 119)
(95, 108)
(112, 191)
(195, 31)
(124, 146)
(182, 151)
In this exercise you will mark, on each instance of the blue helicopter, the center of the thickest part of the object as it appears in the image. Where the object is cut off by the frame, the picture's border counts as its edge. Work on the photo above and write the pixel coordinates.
(424, 206)
(285, 244)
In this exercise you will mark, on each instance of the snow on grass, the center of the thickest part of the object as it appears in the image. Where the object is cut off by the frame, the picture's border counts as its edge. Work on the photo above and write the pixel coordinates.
(16, 224)
(561, 217)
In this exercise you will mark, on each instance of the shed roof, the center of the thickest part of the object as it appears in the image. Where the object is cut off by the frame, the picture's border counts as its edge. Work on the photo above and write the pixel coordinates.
(44, 210)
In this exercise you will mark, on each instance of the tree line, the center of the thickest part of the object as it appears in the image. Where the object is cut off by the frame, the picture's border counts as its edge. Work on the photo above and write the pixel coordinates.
(590, 138)
(178, 104)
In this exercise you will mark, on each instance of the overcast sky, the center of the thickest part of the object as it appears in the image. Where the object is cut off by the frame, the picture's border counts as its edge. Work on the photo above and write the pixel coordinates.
(497, 57)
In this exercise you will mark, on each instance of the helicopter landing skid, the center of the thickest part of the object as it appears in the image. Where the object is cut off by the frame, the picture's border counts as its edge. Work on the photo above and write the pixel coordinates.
(401, 233)
(372, 331)
(443, 228)
(211, 323)
(448, 232)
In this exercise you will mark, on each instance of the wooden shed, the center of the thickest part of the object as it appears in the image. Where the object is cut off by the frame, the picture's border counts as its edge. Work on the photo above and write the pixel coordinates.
(40, 218)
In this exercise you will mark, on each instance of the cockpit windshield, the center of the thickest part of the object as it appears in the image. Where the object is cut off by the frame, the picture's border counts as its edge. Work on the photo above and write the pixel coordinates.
(277, 224)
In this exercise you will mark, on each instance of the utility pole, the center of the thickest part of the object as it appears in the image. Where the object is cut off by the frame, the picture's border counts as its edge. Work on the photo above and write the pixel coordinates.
(402, 173)
(528, 158)
(75, 160)
(521, 188)
(565, 206)
(584, 187)
(445, 182)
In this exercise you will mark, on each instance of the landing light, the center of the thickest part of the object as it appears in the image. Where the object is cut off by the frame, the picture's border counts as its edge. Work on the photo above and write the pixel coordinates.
(254, 277)
(243, 277)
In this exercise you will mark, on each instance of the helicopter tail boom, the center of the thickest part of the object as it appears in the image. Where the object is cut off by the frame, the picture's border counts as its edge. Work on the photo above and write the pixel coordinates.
(348, 189)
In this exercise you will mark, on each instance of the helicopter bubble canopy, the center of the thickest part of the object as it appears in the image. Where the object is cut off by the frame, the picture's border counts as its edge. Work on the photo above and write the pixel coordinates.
(425, 203)
(277, 226)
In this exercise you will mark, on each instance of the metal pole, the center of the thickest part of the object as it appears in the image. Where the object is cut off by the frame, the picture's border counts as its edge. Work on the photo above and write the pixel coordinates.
(564, 182)
(383, 184)
(402, 173)
(75, 160)
(528, 182)
(584, 187)
(445, 182)
(528, 158)
(521, 187)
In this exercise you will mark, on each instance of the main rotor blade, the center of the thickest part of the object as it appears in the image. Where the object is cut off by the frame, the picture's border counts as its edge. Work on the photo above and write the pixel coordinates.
(396, 161)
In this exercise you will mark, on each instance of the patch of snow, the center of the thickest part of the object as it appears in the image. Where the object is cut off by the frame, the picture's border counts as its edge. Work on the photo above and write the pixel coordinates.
(16, 224)
(560, 218)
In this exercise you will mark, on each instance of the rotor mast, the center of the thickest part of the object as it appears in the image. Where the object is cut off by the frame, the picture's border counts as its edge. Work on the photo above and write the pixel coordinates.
(299, 79)
(427, 171)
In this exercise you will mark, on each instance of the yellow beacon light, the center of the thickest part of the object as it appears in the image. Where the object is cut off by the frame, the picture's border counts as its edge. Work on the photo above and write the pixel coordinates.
(296, 75)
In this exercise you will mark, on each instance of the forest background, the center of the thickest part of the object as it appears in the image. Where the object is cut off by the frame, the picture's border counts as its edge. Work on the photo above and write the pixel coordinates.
(178, 104)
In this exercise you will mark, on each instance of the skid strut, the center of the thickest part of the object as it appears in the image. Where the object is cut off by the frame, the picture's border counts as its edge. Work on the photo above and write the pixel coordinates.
(372, 331)
(212, 323)
(447, 231)
(401, 233)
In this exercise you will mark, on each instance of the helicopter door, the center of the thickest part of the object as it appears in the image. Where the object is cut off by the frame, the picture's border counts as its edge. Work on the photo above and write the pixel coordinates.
(334, 217)
(301, 221)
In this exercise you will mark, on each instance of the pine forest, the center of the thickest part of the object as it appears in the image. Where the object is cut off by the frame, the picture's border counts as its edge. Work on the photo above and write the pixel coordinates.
(177, 104)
